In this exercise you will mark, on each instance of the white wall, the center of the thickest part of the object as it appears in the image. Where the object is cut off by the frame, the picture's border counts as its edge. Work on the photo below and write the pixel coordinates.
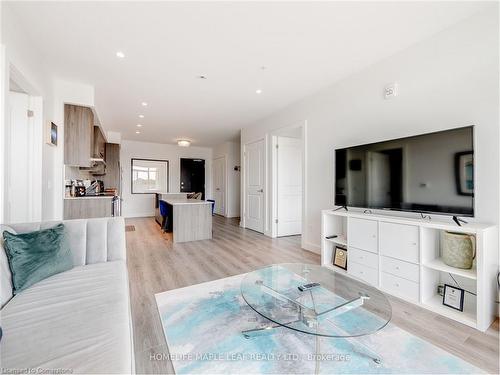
(3, 118)
(138, 205)
(449, 80)
(231, 150)
(28, 61)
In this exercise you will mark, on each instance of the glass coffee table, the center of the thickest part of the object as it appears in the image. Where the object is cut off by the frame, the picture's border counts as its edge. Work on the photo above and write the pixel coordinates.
(340, 307)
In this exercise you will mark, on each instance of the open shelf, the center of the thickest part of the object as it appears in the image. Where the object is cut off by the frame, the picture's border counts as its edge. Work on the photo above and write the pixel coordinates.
(336, 269)
(439, 265)
(340, 240)
(468, 316)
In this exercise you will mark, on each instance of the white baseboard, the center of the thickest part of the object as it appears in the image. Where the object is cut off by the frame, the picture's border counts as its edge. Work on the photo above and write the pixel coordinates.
(313, 248)
(139, 214)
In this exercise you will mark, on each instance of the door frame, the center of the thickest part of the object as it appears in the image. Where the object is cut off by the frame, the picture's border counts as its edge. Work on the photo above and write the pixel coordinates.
(37, 134)
(225, 182)
(273, 211)
(243, 181)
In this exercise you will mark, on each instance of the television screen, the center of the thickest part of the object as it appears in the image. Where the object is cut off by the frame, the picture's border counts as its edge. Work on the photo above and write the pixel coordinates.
(428, 173)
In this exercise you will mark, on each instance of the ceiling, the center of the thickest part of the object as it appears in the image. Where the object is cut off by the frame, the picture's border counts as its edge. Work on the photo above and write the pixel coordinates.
(303, 46)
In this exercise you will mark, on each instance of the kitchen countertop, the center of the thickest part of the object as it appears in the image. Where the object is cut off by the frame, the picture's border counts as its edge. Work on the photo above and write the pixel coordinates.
(178, 201)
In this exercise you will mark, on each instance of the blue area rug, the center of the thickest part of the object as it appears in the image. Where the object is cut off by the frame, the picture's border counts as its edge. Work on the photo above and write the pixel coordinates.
(203, 323)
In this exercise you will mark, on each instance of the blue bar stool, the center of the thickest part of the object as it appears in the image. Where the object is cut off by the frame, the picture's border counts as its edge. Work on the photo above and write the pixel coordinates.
(213, 205)
(164, 214)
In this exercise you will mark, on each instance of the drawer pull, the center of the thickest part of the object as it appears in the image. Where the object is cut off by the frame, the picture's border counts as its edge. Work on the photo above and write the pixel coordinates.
(397, 267)
(397, 285)
(361, 272)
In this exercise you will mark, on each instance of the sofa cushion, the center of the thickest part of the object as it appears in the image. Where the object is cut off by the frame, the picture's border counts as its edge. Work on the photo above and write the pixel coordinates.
(34, 256)
(77, 320)
(90, 240)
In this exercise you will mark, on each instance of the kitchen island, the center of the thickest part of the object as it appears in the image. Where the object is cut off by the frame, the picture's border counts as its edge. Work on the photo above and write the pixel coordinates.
(191, 218)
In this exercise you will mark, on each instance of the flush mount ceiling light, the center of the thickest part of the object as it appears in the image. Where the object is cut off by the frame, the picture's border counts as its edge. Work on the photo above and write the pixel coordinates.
(144, 104)
(141, 116)
(139, 125)
(258, 91)
(137, 132)
(120, 55)
(183, 143)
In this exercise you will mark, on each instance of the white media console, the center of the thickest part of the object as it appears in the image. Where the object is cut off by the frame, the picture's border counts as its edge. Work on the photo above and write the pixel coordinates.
(401, 256)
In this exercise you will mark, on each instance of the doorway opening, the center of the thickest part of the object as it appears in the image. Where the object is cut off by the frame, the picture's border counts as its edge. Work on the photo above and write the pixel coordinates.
(23, 152)
(193, 176)
(288, 182)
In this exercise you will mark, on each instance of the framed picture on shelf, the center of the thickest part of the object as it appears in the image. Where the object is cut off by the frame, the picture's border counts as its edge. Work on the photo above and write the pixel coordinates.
(340, 257)
(453, 297)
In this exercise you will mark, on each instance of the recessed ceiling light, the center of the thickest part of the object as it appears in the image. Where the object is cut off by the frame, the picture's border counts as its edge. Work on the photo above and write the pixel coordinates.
(183, 143)
(144, 104)
(258, 91)
(139, 125)
(137, 132)
(141, 116)
(120, 55)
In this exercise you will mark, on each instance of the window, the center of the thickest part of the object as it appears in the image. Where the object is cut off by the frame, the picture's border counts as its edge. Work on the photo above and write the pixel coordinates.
(149, 176)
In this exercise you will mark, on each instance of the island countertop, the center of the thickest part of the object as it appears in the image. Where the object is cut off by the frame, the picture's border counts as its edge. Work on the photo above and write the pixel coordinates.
(181, 201)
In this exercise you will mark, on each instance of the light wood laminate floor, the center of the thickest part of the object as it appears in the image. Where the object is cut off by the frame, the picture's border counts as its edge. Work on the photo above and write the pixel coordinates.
(156, 265)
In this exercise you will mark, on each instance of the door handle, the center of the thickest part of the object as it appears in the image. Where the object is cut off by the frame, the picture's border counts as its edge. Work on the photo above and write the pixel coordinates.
(260, 191)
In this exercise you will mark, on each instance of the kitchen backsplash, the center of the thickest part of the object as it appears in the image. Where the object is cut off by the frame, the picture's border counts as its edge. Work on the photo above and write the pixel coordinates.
(74, 173)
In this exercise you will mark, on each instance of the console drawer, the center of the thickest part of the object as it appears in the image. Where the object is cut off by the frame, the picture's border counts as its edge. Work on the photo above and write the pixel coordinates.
(402, 269)
(367, 274)
(399, 287)
(399, 241)
(362, 234)
(362, 257)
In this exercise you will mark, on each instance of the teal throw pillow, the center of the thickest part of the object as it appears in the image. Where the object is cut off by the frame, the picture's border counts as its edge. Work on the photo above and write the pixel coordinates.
(37, 255)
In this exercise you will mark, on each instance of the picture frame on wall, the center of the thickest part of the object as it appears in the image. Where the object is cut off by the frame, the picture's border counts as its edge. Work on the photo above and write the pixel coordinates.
(52, 136)
(453, 297)
(464, 172)
(340, 257)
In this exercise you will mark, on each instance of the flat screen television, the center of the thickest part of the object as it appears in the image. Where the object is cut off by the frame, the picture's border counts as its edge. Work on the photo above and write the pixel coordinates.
(428, 173)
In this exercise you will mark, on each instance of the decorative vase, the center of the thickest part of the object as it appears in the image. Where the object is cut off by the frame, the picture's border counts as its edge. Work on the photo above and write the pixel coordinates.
(458, 249)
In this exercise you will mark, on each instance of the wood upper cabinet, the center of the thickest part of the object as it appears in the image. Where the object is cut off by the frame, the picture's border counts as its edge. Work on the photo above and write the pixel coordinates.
(78, 135)
(112, 177)
(99, 143)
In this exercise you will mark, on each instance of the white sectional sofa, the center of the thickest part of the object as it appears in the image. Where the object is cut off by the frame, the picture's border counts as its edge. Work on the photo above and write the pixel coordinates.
(77, 321)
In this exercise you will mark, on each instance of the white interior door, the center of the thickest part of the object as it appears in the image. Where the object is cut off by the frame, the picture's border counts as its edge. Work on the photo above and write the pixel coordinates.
(18, 158)
(289, 186)
(254, 186)
(219, 178)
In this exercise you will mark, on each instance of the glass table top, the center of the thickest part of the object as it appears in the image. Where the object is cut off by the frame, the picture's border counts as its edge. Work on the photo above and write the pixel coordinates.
(340, 307)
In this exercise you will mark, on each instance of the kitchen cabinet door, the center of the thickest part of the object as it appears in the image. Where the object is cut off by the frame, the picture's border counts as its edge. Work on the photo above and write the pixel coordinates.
(78, 135)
